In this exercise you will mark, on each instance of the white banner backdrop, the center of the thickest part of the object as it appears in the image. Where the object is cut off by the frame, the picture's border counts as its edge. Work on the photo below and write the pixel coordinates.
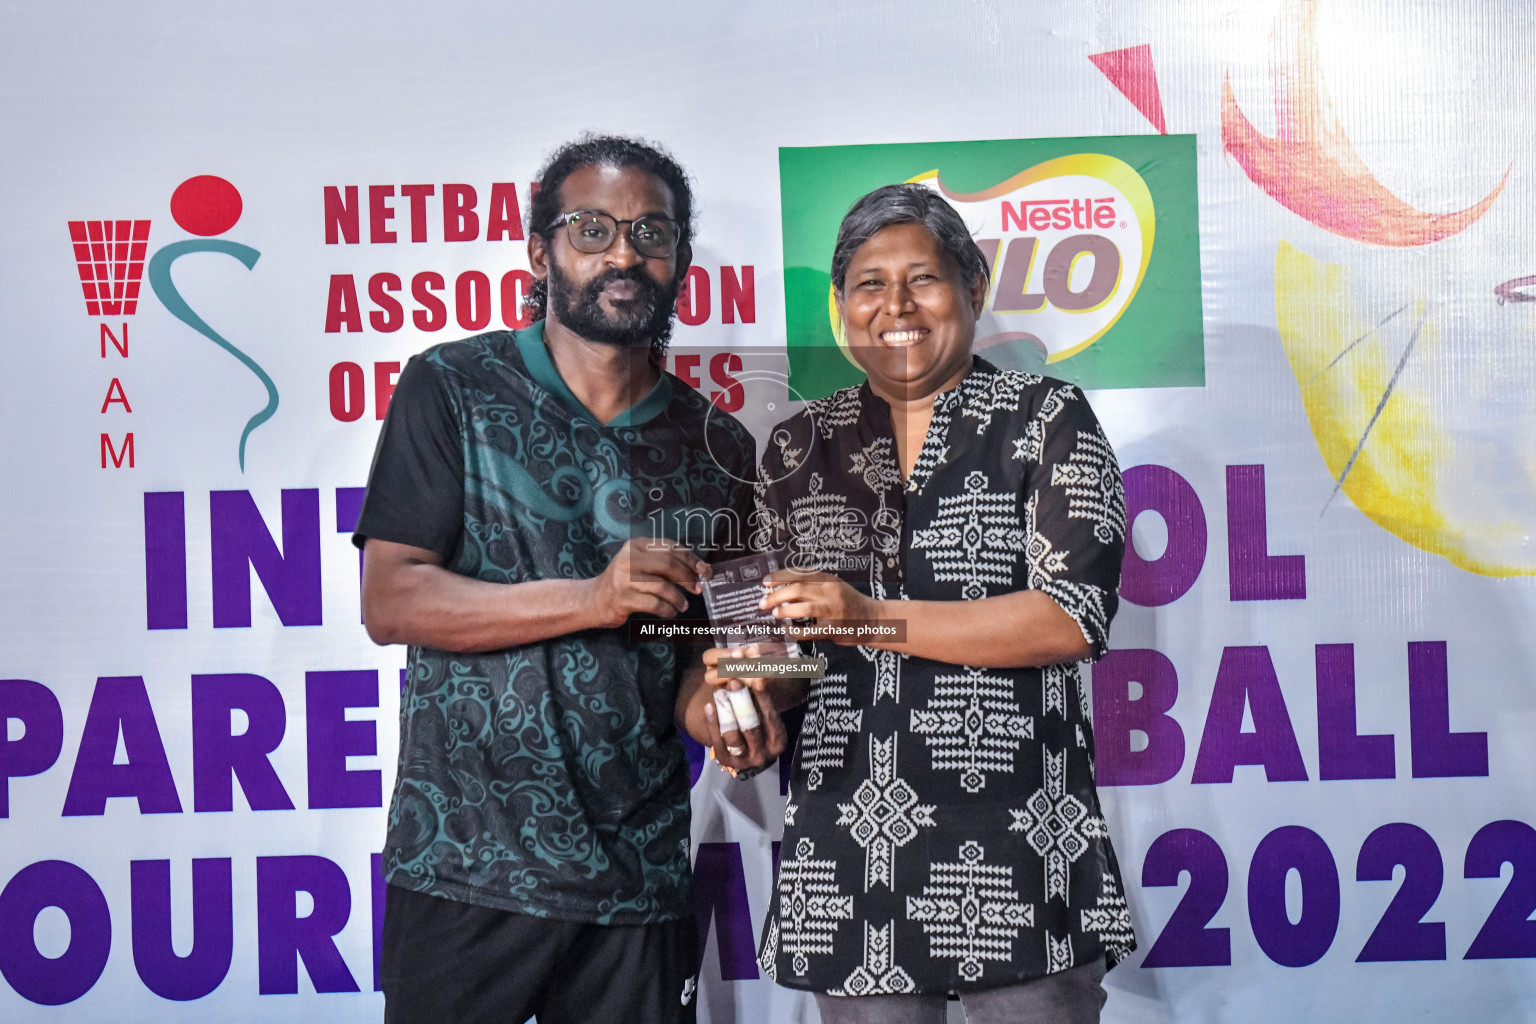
(1316, 730)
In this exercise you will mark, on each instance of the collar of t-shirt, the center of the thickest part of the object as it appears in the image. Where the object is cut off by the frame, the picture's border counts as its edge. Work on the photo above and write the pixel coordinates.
(530, 344)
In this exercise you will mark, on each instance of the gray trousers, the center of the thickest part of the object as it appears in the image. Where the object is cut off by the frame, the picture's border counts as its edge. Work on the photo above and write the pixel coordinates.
(1073, 996)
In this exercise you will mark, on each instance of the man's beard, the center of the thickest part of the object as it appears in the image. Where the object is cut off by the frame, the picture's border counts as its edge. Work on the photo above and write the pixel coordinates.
(644, 321)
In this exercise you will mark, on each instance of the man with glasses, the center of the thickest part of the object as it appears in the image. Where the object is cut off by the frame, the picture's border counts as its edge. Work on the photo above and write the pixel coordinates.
(537, 854)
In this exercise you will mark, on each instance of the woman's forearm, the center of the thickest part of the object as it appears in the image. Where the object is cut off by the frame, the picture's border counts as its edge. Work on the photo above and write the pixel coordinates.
(1024, 628)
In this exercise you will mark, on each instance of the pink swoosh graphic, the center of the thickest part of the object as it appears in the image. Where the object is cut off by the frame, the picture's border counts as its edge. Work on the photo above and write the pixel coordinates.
(1310, 167)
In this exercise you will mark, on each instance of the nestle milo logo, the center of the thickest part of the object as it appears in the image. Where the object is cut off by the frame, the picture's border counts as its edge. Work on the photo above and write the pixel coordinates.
(1092, 243)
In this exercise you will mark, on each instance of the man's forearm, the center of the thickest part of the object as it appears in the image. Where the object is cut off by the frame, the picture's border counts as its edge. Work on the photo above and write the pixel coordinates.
(428, 606)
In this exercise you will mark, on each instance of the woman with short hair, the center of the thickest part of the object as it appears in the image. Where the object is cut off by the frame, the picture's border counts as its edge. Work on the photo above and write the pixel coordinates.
(943, 833)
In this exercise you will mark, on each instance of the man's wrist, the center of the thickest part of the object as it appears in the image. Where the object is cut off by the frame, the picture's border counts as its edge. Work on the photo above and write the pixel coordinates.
(585, 613)
(783, 694)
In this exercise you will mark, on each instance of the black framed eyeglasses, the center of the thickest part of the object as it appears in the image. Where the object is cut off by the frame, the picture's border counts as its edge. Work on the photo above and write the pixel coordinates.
(589, 231)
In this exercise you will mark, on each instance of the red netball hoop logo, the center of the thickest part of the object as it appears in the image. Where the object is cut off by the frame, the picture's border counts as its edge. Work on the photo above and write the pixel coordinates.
(110, 257)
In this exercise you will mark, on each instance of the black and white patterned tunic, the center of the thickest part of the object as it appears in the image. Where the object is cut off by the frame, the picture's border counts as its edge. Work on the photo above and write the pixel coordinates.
(943, 831)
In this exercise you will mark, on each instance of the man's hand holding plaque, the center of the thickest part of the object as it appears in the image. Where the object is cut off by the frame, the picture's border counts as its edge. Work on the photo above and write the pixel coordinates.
(745, 735)
(755, 670)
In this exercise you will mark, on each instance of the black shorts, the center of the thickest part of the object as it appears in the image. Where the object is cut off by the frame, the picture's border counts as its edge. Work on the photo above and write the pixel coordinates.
(445, 962)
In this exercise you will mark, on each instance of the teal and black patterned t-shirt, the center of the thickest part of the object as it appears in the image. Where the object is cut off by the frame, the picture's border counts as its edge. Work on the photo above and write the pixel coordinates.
(548, 779)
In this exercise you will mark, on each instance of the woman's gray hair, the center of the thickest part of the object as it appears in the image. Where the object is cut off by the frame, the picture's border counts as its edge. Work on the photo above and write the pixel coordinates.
(906, 204)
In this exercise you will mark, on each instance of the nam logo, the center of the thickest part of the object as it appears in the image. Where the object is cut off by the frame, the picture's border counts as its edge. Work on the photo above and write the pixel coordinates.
(1093, 247)
(110, 258)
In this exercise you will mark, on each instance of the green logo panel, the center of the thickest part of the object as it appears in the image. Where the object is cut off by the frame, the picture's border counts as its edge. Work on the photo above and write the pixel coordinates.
(1094, 245)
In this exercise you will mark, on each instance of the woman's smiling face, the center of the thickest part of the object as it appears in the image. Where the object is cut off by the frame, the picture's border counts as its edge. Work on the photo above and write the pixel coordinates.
(910, 317)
